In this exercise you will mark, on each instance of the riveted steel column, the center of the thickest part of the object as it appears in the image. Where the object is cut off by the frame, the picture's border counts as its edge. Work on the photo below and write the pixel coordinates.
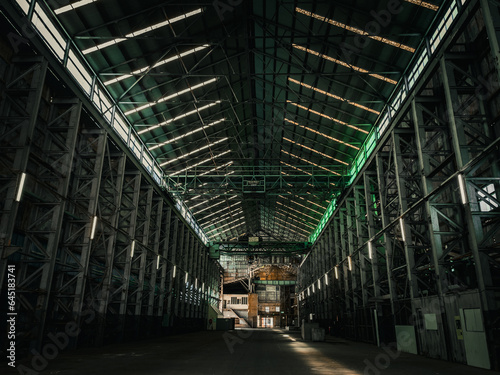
(166, 281)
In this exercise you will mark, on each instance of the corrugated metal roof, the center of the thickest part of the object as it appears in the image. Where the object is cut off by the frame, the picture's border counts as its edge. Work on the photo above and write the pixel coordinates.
(256, 109)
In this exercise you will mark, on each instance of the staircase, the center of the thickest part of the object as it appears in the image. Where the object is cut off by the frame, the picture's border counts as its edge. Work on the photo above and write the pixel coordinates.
(246, 323)
(217, 311)
(230, 313)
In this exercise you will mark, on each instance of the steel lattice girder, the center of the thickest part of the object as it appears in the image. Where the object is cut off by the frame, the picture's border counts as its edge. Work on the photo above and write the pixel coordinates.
(435, 176)
(263, 248)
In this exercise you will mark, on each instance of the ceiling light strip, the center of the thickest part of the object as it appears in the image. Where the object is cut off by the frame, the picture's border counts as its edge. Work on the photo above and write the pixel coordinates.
(356, 30)
(333, 96)
(322, 134)
(197, 110)
(340, 62)
(310, 162)
(142, 31)
(315, 151)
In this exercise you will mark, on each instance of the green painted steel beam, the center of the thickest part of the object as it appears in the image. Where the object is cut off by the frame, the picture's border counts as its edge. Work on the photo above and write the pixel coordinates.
(275, 282)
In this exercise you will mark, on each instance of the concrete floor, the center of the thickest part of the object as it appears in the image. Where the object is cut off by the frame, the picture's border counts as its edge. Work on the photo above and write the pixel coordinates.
(240, 352)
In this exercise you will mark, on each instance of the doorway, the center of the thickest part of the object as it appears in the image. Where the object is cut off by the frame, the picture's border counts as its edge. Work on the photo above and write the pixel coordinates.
(267, 322)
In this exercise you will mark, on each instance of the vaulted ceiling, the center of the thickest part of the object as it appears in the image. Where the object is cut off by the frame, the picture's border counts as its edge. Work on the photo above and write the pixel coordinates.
(255, 110)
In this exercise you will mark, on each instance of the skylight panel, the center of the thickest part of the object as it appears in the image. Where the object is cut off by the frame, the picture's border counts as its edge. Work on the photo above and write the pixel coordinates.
(300, 170)
(214, 169)
(73, 6)
(224, 209)
(296, 168)
(216, 204)
(24, 4)
(103, 103)
(205, 201)
(221, 218)
(301, 205)
(333, 96)
(225, 225)
(286, 174)
(197, 110)
(315, 151)
(288, 234)
(292, 225)
(187, 134)
(171, 96)
(103, 45)
(209, 207)
(328, 117)
(49, 32)
(201, 162)
(227, 230)
(310, 162)
(298, 196)
(340, 62)
(193, 152)
(299, 212)
(297, 219)
(322, 134)
(424, 4)
(356, 30)
(237, 236)
(79, 72)
(206, 183)
(142, 31)
(160, 63)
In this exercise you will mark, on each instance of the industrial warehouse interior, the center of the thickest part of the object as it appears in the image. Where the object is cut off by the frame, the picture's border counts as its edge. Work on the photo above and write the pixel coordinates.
(242, 187)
